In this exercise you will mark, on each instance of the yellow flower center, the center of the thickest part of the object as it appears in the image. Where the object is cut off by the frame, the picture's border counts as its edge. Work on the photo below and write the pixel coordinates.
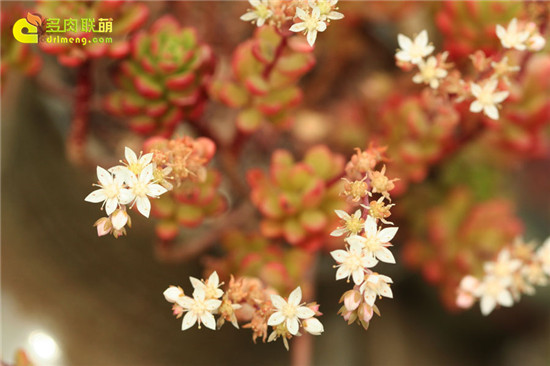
(354, 225)
(289, 311)
(140, 189)
(111, 190)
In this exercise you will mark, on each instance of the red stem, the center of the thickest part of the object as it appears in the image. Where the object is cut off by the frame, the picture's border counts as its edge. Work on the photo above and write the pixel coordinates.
(76, 141)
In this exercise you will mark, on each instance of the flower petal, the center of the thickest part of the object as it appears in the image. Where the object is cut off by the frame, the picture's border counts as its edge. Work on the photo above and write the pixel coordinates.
(385, 255)
(387, 234)
(311, 37)
(298, 27)
(304, 312)
(155, 190)
(105, 178)
(404, 42)
(292, 325)
(143, 206)
(208, 320)
(188, 320)
(276, 318)
(130, 155)
(111, 205)
(277, 301)
(339, 255)
(96, 196)
(295, 296)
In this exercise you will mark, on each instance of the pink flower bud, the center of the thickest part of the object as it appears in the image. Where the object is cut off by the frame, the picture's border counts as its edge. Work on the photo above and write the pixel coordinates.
(365, 312)
(464, 300)
(103, 226)
(352, 299)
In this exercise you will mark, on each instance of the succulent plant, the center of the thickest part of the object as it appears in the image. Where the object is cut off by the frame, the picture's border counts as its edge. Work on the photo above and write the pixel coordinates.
(459, 235)
(126, 18)
(188, 205)
(163, 81)
(470, 25)
(298, 199)
(252, 255)
(527, 114)
(416, 130)
(265, 70)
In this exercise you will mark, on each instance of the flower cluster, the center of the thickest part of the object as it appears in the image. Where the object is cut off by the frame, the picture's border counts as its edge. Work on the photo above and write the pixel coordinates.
(182, 168)
(516, 270)
(308, 17)
(130, 184)
(490, 87)
(366, 242)
(245, 300)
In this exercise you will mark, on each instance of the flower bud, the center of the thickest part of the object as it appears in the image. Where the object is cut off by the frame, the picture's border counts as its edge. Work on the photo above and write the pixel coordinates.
(365, 312)
(313, 326)
(172, 293)
(352, 299)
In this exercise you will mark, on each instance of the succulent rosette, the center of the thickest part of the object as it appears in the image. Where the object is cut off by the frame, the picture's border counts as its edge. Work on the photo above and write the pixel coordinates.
(163, 81)
(125, 18)
(188, 205)
(298, 199)
(265, 70)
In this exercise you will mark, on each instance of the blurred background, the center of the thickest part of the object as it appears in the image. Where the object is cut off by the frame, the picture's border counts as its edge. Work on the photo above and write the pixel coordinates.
(71, 298)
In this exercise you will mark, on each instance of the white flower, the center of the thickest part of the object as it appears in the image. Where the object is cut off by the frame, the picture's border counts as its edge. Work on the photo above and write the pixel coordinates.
(376, 285)
(375, 241)
(353, 225)
(536, 42)
(289, 312)
(487, 99)
(413, 51)
(326, 8)
(312, 23)
(132, 164)
(468, 286)
(111, 191)
(353, 263)
(492, 291)
(198, 310)
(142, 186)
(503, 267)
(210, 288)
(543, 255)
(313, 326)
(429, 73)
(259, 14)
(503, 68)
(173, 294)
(512, 37)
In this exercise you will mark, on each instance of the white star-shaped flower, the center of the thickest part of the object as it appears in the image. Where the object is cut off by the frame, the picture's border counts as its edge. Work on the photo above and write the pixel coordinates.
(143, 186)
(511, 37)
(429, 73)
(375, 241)
(353, 225)
(326, 8)
(504, 266)
(413, 51)
(376, 285)
(289, 311)
(311, 24)
(199, 309)
(132, 163)
(259, 14)
(352, 262)
(492, 291)
(111, 192)
(487, 99)
(210, 288)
